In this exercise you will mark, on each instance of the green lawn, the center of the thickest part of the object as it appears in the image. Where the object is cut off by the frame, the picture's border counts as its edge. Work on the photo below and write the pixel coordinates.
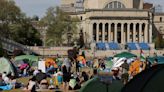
(24, 80)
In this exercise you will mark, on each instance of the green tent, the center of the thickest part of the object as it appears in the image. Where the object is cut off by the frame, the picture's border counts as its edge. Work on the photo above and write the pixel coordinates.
(96, 85)
(7, 66)
(160, 59)
(150, 80)
(29, 58)
(125, 54)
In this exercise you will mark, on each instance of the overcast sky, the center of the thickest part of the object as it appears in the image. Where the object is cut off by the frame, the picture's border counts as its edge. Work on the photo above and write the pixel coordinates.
(38, 7)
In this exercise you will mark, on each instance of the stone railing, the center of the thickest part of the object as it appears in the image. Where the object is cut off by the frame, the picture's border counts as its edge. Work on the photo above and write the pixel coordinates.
(91, 53)
(11, 45)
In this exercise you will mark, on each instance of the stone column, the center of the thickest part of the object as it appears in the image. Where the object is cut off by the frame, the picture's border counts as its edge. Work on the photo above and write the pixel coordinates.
(128, 32)
(134, 32)
(103, 32)
(97, 32)
(90, 32)
(150, 33)
(122, 33)
(109, 32)
(115, 32)
(146, 33)
(140, 32)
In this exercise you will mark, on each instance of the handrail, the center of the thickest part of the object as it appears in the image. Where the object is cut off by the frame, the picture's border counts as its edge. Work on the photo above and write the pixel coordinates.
(11, 45)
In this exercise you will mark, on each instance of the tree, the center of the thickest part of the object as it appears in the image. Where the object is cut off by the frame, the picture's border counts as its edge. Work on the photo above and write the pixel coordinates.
(15, 25)
(25, 33)
(159, 42)
(59, 25)
(35, 18)
(1, 50)
(9, 14)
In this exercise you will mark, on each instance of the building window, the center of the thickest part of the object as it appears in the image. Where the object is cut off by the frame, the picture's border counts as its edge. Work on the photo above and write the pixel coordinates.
(115, 5)
(81, 18)
(160, 19)
(72, 5)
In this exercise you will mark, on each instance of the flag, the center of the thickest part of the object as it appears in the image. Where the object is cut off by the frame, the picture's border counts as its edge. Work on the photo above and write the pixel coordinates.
(142, 57)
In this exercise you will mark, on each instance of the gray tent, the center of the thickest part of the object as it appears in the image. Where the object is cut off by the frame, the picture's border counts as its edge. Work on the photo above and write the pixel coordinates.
(7, 66)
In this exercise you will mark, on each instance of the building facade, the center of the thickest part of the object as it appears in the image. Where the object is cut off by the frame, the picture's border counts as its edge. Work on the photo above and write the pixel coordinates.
(119, 21)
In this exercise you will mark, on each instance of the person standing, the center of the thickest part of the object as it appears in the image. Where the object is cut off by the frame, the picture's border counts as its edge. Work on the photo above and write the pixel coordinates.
(77, 66)
(66, 78)
(125, 69)
(67, 63)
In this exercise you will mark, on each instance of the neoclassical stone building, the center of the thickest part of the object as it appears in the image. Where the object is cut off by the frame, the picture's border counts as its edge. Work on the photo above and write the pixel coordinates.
(120, 21)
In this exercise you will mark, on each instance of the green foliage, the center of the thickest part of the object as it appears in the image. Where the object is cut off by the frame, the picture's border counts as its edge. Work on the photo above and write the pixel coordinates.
(159, 42)
(9, 14)
(58, 25)
(15, 25)
(25, 33)
(1, 50)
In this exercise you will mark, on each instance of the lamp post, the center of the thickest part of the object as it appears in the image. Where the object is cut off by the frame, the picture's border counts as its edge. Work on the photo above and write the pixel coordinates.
(44, 31)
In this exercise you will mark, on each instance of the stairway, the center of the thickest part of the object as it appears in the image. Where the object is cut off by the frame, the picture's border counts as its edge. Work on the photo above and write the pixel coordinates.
(11, 45)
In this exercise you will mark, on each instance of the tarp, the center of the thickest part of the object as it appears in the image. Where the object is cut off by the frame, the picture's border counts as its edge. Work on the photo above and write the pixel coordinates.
(150, 80)
(95, 85)
(125, 55)
(7, 87)
(6, 66)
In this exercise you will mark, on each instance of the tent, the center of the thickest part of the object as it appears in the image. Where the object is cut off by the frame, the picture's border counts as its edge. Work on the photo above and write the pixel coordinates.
(49, 62)
(150, 80)
(96, 85)
(159, 58)
(28, 58)
(135, 67)
(81, 59)
(7, 66)
(125, 55)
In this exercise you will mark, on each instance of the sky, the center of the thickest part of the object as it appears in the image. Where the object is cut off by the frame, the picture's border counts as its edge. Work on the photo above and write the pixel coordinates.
(39, 7)
(36, 7)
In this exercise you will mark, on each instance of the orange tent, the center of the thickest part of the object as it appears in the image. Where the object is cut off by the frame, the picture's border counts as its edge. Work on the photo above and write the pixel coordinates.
(135, 67)
(82, 59)
(49, 62)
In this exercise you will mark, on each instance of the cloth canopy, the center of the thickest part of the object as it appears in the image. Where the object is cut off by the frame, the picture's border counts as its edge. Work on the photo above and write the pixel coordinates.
(125, 55)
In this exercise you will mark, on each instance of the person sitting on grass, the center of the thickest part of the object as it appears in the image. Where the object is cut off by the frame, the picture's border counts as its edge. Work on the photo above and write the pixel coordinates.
(31, 86)
(2, 83)
(73, 83)
(84, 77)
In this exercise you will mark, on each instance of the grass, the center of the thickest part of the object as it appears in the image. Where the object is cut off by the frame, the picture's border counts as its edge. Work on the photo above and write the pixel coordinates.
(24, 80)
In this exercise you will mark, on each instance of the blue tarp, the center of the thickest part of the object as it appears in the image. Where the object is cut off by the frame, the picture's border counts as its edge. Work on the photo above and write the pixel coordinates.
(7, 87)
